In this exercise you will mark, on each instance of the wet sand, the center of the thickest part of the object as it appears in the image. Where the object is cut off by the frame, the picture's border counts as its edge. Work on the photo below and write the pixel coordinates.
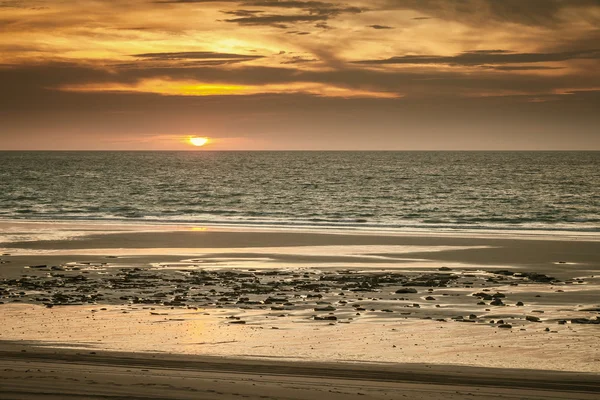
(34, 373)
(485, 304)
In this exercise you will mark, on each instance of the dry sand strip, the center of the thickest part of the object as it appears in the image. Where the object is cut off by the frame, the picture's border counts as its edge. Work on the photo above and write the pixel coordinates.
(29, 372)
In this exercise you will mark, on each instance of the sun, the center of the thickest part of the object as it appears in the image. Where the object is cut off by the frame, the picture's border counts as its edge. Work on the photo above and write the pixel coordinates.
(198, 141)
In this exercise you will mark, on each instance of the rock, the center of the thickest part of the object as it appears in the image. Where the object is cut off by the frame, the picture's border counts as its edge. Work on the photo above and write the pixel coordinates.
(325, 318)
(585, 321)
(406, 290)
(327, 308)
(240, 322)
(505, 326)
(444, 269)
(520, 304)
(430, 298)
(496, 302)
(504, 272)
(531, 318)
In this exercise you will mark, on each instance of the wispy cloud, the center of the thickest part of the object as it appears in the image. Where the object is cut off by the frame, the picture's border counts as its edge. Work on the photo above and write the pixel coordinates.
(484, 57)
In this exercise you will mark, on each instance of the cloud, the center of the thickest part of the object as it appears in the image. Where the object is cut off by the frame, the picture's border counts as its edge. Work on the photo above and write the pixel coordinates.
(313, 7)
(278, 21)
(483, 57)
(193, 1)
(380, 27)
(243, 13)
(312, 11)
(521, 67)
(299, 60)
(196, 55)
(476, 12)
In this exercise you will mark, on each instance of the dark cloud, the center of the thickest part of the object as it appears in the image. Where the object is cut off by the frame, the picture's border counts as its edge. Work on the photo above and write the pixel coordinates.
(313, 7)
(301, 33)
(521, 67)
(311, 11)
(194, 1)
(380, 27)
(476, 12)
(36, 83)
(299, 60)
(243, 13)
(13, 4)
(483, 57)
(196, 55)
(278, 21)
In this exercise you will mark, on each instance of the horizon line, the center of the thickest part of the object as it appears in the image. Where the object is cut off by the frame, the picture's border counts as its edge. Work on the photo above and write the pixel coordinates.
(298, 150)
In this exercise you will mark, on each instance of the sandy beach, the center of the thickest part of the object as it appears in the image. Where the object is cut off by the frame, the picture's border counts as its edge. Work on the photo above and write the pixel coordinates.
(190, 312)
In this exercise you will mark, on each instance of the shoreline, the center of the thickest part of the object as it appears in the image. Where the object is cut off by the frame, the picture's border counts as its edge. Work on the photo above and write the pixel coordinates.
(100, 374)
(167, 226)
(447, 302)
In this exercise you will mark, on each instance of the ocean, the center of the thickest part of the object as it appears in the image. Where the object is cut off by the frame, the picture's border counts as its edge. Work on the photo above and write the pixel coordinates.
(522, 191)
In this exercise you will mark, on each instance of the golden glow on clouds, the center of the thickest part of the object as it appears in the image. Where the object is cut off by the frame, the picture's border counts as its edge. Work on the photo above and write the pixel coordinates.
(190, 88)
(108, 34)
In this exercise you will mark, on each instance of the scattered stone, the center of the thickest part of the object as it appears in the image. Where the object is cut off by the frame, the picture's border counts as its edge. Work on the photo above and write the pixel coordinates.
(586, 321)
(406, 290)
(325, 318)
(327, 308)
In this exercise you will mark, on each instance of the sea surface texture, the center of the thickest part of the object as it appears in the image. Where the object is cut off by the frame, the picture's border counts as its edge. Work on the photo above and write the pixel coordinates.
(392, 190)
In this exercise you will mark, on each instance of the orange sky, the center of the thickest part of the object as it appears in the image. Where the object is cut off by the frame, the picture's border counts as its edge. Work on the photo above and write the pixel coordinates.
(265, 74)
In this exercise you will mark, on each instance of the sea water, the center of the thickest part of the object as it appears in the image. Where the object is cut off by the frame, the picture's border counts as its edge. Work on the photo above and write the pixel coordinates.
(550, 191)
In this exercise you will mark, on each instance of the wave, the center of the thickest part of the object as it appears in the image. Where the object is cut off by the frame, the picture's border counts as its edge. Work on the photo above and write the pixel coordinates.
(350, 224)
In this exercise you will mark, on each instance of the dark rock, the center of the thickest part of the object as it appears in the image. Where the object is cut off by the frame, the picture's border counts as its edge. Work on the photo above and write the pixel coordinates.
(585, 321)
(531, 318)
(325, 318)
(327, 308)
(406, 290)
(496, 302)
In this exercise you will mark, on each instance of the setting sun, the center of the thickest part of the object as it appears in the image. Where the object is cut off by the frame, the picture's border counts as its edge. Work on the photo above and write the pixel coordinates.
(198, 141)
